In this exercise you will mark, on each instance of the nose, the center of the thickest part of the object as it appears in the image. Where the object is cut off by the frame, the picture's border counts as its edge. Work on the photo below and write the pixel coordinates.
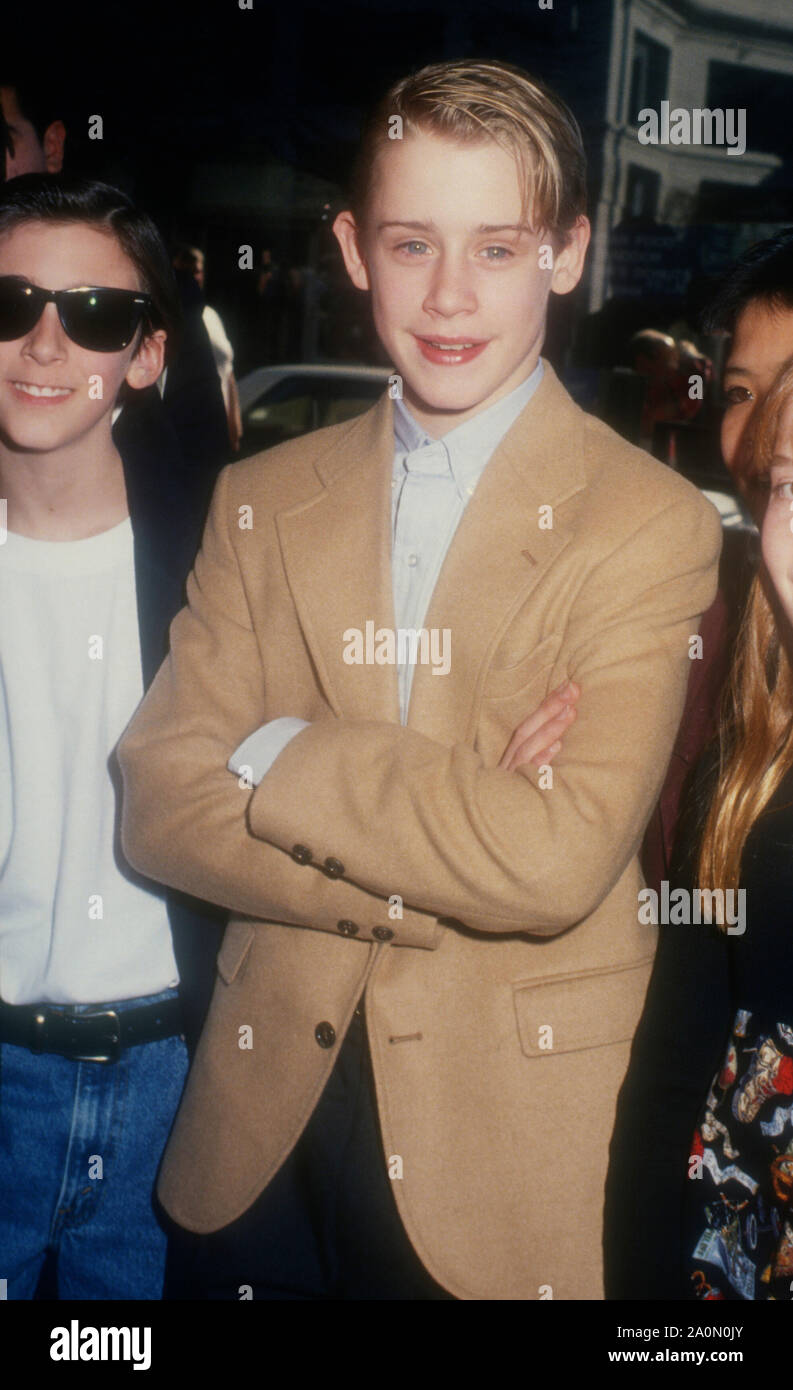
(450, 290)
(46, 341)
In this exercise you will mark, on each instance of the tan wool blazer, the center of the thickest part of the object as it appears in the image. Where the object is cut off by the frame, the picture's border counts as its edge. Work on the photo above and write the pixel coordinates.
(500, 1004)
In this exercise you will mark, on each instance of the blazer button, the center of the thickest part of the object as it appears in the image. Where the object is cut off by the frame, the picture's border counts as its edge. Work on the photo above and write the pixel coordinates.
(382, 933)
(325, 1034)
(301, 854)
(348, 928)
(334, 868)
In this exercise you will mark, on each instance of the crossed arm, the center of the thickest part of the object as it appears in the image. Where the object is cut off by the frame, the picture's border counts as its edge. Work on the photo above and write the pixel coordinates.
(405, 814)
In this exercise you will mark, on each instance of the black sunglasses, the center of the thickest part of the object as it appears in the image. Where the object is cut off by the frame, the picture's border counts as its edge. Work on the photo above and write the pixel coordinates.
(95, 318)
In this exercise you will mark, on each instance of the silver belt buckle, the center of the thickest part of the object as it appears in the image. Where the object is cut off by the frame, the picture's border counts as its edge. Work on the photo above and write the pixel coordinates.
(114, 1052)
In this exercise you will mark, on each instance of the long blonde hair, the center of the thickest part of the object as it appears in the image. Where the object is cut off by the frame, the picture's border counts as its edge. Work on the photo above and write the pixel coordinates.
(756, 720)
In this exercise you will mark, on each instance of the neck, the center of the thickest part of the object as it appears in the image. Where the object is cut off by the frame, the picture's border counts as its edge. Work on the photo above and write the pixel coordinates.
(67, 495)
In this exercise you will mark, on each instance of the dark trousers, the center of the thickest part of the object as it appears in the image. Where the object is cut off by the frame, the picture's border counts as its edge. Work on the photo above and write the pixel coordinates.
(326, 1226)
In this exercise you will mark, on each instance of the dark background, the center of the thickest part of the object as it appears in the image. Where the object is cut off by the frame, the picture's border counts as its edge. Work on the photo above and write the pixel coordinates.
(237, 127)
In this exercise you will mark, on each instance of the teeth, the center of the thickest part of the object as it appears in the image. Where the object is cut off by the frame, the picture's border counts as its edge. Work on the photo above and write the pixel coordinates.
(30, 390)
(451, 347)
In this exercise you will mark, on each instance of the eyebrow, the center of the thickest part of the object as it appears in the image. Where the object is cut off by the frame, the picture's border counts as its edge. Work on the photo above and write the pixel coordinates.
(482, 229)
(735, 370)
(507, 227)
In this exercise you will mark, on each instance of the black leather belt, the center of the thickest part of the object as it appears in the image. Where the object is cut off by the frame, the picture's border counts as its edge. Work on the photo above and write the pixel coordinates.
(98, 1035)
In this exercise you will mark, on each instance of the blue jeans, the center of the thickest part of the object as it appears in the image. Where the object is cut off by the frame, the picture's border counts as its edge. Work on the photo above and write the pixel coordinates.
(80, 1145)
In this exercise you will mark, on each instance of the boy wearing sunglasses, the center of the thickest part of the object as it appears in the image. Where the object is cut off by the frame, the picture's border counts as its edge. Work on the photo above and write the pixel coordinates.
(94, 546)
(406, 1083)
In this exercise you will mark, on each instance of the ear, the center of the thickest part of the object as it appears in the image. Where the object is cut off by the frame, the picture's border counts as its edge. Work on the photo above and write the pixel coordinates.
(147, 364)
(346, 232)
(569, 261)
(52, 145)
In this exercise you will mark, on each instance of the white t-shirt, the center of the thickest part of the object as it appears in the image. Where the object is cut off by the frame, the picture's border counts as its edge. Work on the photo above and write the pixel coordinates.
(75, 924)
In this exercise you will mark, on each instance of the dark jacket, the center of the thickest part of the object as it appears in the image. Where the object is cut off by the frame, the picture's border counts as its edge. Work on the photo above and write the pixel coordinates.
(168, 501)
(193, 398)
(700, 978)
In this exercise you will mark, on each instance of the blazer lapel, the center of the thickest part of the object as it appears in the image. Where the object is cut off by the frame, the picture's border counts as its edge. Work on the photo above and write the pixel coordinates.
(336, 549)
(498, 555)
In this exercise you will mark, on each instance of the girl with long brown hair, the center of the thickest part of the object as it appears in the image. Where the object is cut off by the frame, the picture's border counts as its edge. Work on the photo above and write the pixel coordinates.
(701, 1178)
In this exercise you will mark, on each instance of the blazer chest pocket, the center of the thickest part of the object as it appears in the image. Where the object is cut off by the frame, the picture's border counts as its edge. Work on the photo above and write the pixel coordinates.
(529, 674)
(234, 950)
(589, 1009)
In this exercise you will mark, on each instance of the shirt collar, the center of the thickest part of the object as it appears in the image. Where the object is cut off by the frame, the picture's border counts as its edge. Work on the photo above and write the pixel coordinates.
(469, 446)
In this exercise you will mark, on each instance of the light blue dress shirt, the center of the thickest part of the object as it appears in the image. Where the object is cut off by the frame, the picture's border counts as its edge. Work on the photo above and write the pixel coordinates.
(433, 482)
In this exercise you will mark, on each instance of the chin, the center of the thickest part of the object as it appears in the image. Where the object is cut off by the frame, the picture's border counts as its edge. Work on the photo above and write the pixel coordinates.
(449, 395)
(32, 443)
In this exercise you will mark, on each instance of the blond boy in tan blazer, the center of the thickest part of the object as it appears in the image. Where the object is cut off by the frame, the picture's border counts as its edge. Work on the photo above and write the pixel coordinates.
(414, 897)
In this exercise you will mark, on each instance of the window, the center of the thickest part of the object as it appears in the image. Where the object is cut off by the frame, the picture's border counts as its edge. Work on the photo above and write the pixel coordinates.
(641, 193)
(649, 75)
(766, 97)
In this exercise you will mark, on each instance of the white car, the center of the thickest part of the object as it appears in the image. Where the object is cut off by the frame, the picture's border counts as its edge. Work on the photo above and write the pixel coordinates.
(279, 403)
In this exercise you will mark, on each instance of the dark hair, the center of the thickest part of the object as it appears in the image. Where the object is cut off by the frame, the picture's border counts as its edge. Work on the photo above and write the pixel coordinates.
(57, 198)
(763, 272)
(187, 257)
(38, 101)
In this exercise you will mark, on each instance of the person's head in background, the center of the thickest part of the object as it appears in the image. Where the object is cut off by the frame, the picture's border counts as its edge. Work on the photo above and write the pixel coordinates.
(692, 359)
(653, 354)
(754, 303)
(6, 147)
(190, 260)
(36, 131)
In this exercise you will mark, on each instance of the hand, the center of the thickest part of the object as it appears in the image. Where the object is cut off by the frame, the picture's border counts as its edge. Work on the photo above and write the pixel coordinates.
(539, 736)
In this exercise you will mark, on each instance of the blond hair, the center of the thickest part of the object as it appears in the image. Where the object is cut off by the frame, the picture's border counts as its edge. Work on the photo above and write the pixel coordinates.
(756, 723)
(470, 102)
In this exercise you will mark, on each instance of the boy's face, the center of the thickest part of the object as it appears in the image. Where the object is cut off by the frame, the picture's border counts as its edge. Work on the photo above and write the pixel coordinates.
(762, 341)
(65, 256)
(459, 284)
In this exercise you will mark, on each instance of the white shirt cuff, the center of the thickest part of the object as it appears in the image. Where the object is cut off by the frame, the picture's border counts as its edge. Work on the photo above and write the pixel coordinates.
(257, 753)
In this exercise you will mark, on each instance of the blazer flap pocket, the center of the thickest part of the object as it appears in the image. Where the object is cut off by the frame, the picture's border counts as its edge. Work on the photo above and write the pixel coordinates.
(502, 681)
(233, 952)
(588, 1009)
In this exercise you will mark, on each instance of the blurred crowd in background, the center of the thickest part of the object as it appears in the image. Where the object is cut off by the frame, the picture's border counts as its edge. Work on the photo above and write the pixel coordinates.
(264, 291)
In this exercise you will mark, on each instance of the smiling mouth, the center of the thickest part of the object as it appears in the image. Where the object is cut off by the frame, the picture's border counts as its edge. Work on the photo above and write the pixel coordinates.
(29, 388)
(446, 344)
(451, 352)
